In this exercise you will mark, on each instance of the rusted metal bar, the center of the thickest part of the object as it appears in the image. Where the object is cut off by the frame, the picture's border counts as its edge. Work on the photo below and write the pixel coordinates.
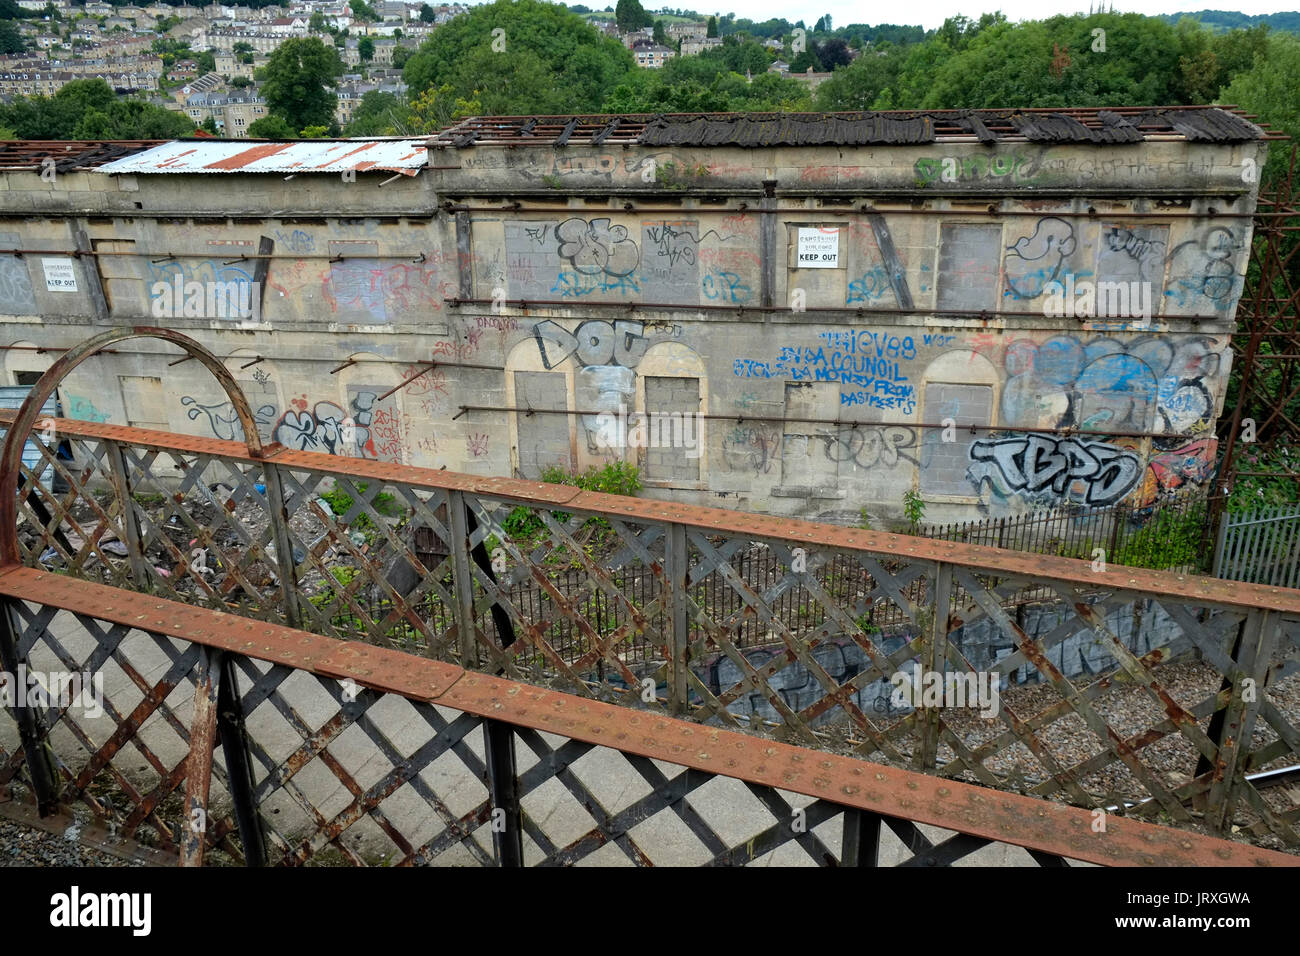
(1035, 824)
(861, 840)
(198, 765)
(1238, 727)
(27, 415)
(862, 312)
(405, 382)
(462, 579)
(676, 566)
(287, 570)
(846, 423)
(507, 819)
(1205, 591)
(934, 644)
(130, 520)
(239, 764)
(40, 764)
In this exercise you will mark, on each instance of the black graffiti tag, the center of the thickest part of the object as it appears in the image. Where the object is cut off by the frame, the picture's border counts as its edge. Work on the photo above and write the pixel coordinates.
(1035, 463)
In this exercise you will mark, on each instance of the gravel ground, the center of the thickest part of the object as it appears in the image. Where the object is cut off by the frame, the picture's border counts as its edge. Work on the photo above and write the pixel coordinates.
(22, 845)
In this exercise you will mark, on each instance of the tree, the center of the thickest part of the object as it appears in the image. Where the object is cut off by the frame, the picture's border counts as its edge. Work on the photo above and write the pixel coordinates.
(209, 125)
(553, 61)
(241, 47)
(271, 127)
(400, 55)
(206, 61)
(426, 14)
(660, 36)
(240, 82)
(363, 11)
(366, 49)
(380, 114)
(712, 27)
(630, 16)
(300, 77)
(1268, 88)
(436, 109)
(88, 109)
(11, 41)
(9, 10)
(316, 22)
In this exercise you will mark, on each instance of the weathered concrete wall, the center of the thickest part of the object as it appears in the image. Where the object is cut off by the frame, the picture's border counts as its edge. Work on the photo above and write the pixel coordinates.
(671, 281)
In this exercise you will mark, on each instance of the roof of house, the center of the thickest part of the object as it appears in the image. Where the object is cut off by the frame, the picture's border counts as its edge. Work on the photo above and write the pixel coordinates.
(1075, 125)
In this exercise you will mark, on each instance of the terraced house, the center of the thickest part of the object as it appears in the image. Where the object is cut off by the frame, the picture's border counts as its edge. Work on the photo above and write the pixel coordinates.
(995, 310)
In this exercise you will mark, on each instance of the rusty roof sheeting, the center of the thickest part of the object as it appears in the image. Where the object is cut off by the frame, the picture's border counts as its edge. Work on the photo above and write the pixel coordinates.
(1067, 125)
(68, 155)
(405, 156)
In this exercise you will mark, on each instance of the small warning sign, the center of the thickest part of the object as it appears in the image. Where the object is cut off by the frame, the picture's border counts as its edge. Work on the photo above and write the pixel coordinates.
(818, 249)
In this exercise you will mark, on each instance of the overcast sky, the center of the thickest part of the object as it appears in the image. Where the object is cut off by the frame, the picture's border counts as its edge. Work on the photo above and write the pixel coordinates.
(932, 13)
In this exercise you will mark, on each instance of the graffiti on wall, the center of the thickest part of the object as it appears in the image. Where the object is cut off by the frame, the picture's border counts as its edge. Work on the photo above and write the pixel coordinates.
(222, 420)
(1150, 383)
(1035, 260)
(382, 289)
(867, 363)
(164, 276)
(376, 429)
(16, 296)
(1203, 272)
(668, 262)
(1041, 467)
(83, 409)
(871, 445)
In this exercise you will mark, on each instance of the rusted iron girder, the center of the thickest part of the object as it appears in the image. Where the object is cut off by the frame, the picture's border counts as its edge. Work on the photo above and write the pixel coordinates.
(1203, 591)
(27, 415)
(1037, 825)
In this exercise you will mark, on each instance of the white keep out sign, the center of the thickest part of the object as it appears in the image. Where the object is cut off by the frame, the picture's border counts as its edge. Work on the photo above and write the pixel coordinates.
(60, 276)
(818, 248)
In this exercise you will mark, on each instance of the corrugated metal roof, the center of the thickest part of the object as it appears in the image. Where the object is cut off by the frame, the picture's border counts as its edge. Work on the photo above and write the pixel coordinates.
(406, 156)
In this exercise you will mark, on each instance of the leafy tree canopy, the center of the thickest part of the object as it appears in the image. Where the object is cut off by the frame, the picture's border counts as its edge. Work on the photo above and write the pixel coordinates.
(546, 60)
(300, 76)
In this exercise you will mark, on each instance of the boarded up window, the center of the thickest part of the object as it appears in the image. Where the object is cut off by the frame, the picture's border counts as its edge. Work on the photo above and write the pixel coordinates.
(1131, 270)
(807, 461)
(543, 439)
(944, 464)
(16, 295)
(142, 398)
(969, 259)
(120, 275)
(673, 439)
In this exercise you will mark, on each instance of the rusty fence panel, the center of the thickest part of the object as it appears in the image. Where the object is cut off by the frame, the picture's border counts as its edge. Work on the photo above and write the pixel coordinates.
(368, 756)
(1120, 686)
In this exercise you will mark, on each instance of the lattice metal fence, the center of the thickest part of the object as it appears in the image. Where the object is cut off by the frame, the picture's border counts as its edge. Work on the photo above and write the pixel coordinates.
(224, 740)
(840, 613)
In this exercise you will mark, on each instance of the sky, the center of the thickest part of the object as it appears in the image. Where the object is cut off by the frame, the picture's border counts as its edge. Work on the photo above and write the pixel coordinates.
(932, 13)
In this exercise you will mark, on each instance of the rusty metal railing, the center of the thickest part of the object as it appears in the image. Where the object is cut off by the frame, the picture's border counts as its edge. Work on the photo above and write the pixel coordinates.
(1092, 714)
(283, 702)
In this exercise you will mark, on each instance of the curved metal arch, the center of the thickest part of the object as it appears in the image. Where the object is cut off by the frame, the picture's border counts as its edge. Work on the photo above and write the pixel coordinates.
(12, 455)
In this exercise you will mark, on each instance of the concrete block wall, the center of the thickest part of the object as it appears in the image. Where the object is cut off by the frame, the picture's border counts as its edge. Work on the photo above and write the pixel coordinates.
(557, 278)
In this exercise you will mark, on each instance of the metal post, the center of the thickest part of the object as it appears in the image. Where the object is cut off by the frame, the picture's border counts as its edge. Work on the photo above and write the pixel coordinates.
(40, 762)
(130, 524)
(198, 765)
(933, 658)
(462, 578)
(503, 788)
(861, 838)
(239, 764)
(283, 545)
(676, 562)
(1238, 723)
